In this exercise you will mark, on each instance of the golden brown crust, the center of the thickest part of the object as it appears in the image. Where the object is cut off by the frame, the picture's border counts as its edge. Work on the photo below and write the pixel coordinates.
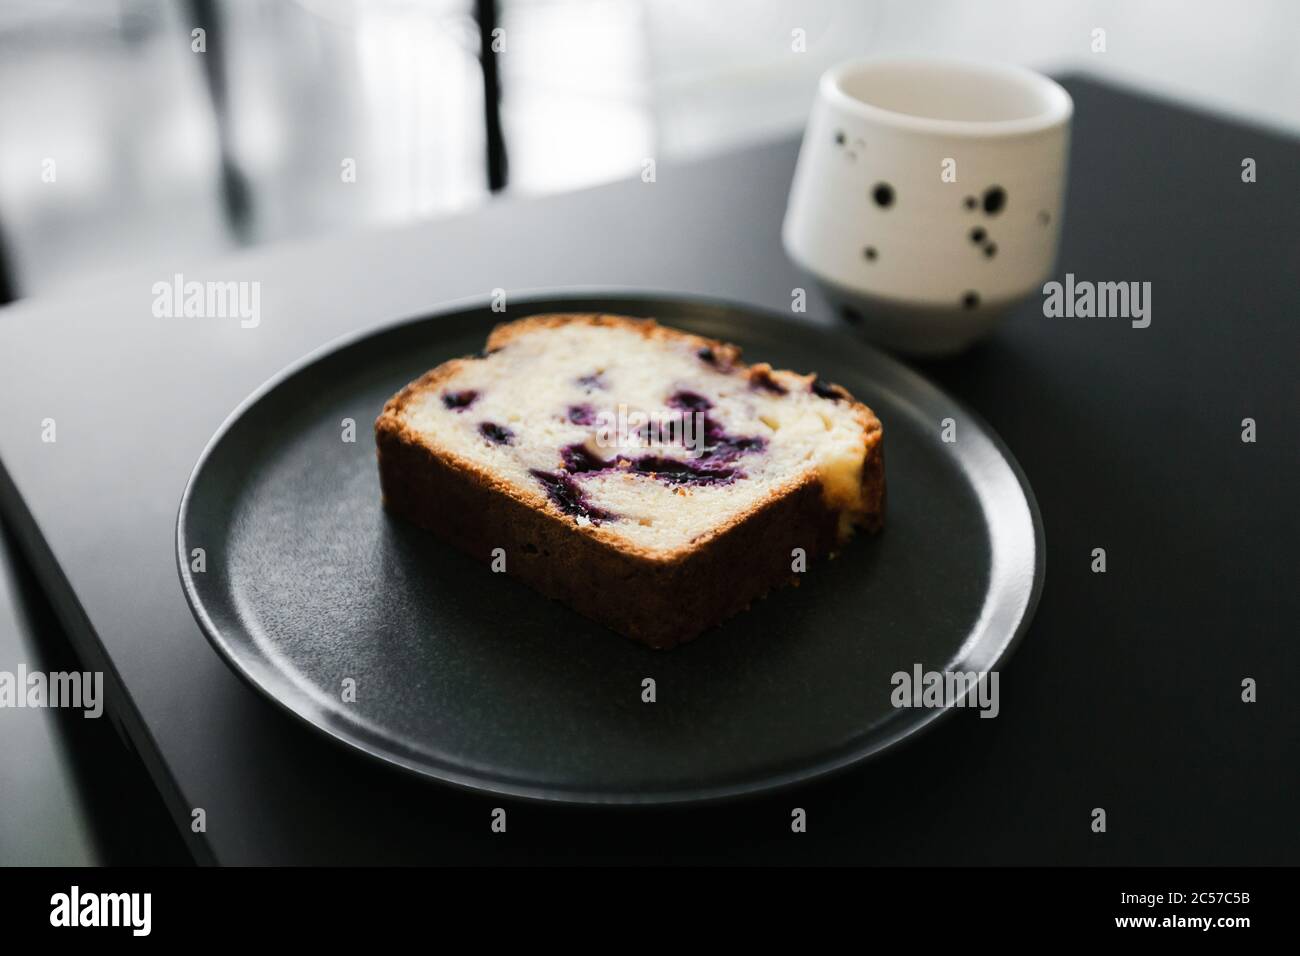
(659, 598)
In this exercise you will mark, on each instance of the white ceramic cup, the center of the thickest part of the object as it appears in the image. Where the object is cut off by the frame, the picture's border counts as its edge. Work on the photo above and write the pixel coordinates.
(928, 194)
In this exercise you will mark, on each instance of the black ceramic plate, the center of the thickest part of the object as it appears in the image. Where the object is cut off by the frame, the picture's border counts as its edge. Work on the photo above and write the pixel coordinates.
(472, 678)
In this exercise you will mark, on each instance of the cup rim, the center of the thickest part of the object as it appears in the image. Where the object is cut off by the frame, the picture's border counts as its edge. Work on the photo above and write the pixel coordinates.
(1057, 111)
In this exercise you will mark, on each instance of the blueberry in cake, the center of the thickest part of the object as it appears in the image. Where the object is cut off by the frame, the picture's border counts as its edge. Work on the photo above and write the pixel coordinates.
(644, 476)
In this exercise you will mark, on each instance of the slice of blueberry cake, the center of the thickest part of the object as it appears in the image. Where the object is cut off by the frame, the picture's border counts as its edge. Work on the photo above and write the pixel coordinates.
(644, 476)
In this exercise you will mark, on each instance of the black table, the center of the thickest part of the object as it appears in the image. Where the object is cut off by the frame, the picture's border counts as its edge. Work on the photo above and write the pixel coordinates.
(1126, 694)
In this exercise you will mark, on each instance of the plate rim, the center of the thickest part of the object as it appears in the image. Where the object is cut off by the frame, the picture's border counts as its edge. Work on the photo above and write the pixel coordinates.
(473, 782)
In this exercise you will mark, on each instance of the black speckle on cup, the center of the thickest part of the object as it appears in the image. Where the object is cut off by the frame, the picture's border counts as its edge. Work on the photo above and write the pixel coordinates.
(1044, 217)
(995, 197)
(883, 194)
(978, 235)
(970, 202)
(990, 249)
(869, 253)
(970, 300)
(839, 137)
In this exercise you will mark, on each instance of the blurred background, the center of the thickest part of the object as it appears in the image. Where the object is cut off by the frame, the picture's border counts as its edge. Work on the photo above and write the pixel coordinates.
(134, 132)
(126, 137)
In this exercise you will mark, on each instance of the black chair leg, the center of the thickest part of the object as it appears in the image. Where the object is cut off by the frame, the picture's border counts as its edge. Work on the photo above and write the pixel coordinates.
(236, 195)
(485, 12)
